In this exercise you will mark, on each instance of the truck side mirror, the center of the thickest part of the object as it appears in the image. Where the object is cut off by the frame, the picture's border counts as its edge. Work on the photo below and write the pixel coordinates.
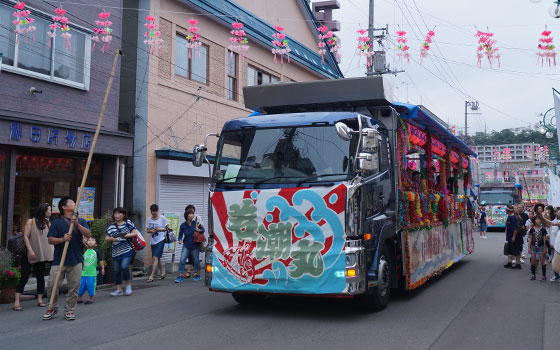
(343, 131)
(199, 153)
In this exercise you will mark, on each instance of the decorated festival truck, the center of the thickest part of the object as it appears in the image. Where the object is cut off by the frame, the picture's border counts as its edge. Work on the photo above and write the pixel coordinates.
(330, 189)
(495, 197)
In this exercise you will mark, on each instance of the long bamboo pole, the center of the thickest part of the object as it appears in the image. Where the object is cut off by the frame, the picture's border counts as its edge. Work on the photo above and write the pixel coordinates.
(527, 186)
(84, 178)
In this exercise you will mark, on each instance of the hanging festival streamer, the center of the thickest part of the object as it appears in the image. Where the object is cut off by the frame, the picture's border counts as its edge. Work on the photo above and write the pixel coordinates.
(153, 39)
(193, 37)
(23, 21)
(331, 43)
(239, 40)
(546, 49)
(486, 47)
(402, 46)
(280, 45)
(60, 22)
(364, 47)
(426, 45)
(102, 31)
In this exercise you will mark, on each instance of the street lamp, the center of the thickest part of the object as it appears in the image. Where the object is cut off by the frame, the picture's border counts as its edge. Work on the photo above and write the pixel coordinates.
(554, 9)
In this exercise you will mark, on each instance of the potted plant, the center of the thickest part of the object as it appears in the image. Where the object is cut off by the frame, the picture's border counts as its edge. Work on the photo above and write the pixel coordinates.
(98, 229)
(9, 277)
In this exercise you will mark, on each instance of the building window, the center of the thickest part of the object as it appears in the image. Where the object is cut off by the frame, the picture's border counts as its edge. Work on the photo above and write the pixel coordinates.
(195, 67)
(258, 77)
(35, 58)
(232, 76)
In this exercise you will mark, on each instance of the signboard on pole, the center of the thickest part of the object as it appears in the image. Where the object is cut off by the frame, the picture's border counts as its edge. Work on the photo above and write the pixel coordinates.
(87, 203)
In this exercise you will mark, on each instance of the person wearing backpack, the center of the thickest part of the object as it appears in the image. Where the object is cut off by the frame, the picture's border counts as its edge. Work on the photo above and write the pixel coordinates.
(39, 251)
(120, 233)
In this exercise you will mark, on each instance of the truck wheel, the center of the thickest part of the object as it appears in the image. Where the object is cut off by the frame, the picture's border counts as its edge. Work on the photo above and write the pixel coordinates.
(377, 298)
(248, 299)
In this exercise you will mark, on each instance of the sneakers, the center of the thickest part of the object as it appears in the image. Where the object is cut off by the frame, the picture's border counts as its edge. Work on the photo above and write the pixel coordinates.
(517, 267)
(49, 314)
(543, 279)
(69, 316)
(197, 278)
(88, 302)
(554, 279)
(80, 301)
(533, 277)
(116, 293)
(128, 290)
(179, 280)
(522, 261)
(508, 266)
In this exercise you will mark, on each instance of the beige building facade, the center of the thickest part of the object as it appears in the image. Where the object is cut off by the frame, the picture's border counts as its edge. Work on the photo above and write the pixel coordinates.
(178, 99)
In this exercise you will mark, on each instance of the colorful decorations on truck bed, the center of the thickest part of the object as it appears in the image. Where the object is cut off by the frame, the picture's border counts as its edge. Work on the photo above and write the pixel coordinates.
(239, 40)
(60, 22)
(280, 240)
(23, 21)
(153, 40)
(103, 33)
(546, 48)
(280, 44)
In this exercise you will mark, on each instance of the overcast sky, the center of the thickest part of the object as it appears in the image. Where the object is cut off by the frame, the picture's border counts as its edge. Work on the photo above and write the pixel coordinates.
(510, 96)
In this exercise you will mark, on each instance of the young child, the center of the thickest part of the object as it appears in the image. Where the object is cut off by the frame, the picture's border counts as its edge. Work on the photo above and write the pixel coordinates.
(537, 237)
(92, 259)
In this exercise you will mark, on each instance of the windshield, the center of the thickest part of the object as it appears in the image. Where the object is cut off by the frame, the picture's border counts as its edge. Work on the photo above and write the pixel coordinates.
(496, 198)
(284, 155)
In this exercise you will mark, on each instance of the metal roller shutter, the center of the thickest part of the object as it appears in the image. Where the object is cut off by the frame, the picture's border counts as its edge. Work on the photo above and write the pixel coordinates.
(176, 192)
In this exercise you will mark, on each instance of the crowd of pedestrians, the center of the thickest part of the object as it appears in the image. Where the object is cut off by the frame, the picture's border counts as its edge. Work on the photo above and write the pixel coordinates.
(531, 233)
(45, 239)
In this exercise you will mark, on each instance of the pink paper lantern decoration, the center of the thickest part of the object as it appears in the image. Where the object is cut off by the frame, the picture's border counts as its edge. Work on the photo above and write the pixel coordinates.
(364, 47)
(331, 43)
(426, 45)
(239, 40)
(487, 47)
(546, 49)
(280, 44)
(102, 31)
(402, 47)
(193, 37)
(153, 40)
(23, 21)
(60, 22)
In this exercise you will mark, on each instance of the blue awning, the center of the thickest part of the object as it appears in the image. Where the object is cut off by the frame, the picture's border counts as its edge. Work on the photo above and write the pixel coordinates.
(430, 122)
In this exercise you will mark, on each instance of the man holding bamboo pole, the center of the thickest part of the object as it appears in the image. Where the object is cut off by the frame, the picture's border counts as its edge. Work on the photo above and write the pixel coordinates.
(72, 269)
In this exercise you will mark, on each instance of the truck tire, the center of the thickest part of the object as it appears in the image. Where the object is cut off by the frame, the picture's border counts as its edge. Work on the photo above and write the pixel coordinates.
(377, 298)
(248, 299)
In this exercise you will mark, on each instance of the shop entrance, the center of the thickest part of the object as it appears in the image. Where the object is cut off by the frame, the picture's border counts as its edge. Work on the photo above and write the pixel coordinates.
(46, 179)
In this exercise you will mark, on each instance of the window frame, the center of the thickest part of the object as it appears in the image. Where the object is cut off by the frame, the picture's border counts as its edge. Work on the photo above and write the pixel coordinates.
(234, 78)
(51, 78)
(263, 72)
(189, 60)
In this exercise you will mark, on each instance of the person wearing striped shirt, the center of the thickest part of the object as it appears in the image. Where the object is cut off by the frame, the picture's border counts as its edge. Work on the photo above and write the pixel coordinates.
(119, 234)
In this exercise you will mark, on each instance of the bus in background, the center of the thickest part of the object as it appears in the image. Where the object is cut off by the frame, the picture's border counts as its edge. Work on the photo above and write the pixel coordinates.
(496, 197)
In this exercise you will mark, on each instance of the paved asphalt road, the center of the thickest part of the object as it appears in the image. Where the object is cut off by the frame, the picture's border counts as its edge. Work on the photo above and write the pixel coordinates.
(477, 304)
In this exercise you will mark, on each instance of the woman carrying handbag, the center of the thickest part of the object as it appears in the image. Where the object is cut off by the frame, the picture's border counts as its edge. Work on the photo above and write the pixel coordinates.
(39, 251)
(191, 234)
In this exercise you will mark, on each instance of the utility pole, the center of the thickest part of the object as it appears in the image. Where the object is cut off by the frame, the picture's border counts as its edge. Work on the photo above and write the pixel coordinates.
(370, 34)
(474, 107)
